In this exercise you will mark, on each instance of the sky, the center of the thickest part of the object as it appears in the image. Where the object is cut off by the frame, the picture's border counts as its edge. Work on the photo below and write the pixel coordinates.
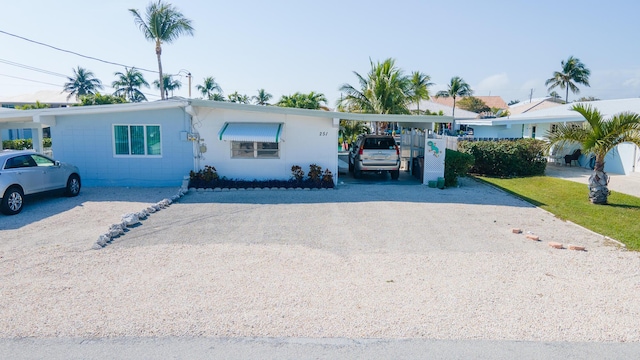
(506, 48)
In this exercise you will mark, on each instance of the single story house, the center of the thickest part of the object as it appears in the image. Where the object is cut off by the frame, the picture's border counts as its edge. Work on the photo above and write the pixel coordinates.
(158, 143)
(624, 159)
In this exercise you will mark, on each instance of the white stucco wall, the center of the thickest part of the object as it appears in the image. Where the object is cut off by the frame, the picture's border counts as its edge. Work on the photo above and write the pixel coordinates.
(305, 141)
(499, 131)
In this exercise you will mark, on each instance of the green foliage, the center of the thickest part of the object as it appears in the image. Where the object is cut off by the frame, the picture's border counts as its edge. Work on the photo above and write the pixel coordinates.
(573, 72)
(20, 144)
(473, 104)
(83, 82)
(506, 158)
(456, 164)
(313, 100)
(209, 173)
(128, 85)
(99, 99)
(37, 105)
(349, 130)
(569, 200)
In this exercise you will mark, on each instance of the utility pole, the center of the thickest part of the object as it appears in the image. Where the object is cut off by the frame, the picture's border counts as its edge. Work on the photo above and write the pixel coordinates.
(189, 76)
(531, 95)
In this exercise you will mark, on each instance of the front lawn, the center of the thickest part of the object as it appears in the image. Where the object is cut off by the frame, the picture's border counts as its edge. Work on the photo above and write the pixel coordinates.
(568, 200)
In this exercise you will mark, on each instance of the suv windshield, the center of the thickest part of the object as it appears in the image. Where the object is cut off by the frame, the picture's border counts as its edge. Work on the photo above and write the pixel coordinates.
(379, 143)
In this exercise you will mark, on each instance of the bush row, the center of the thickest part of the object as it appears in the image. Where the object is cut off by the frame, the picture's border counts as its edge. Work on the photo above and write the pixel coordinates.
(316, 178)
(522, 157)
(456, 164)
(20, 144)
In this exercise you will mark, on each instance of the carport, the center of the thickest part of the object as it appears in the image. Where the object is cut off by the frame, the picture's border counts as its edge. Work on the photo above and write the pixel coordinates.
(27, 119)
(416, 129)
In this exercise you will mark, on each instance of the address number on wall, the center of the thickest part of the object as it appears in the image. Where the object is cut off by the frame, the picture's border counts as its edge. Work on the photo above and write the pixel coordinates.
(324, 133)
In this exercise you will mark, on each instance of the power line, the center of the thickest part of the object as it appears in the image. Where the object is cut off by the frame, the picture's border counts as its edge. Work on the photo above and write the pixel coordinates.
(75, 53)
(36, 81)
(31, 68)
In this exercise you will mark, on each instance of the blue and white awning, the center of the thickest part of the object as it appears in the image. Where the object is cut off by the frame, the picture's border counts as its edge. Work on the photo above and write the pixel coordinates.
(260, 132)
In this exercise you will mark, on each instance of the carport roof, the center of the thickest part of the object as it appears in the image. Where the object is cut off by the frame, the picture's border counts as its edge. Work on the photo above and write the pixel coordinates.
(46, 117)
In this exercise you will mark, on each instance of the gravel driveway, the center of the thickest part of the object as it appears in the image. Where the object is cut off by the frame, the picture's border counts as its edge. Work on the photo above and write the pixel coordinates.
(363, 261)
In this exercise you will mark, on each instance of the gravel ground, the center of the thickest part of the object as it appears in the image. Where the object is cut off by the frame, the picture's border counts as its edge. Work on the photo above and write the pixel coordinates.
(363, 261)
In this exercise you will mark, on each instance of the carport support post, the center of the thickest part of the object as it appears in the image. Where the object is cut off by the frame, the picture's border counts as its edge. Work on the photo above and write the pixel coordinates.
(411, 152)
(36, 139)
(1, 147)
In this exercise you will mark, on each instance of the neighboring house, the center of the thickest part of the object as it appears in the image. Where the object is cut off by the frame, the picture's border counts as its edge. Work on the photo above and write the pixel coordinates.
(492, 101)
(625, 159)
(54, 99)
(534, 105)
(158, 143)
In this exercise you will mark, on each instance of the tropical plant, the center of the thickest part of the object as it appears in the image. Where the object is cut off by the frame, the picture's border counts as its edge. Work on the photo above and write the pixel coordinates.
(168, 84)
(554, 95)
(598, 136)
(588, 98)
(385, 90)
(573, 72)
(513, 102)
(419, 88)
(128, 85)
(457, 88)
(312, 100)
(162, 23)
(209, 87)
(99, 99)
(473, 104)
(350, 129)
(37, 105)
(218, 97)
(236, 97)
(83, 82)
(262, 98)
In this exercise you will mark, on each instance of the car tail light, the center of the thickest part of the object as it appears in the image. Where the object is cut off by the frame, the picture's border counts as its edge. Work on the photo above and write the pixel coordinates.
(397, 150)
(360, 151)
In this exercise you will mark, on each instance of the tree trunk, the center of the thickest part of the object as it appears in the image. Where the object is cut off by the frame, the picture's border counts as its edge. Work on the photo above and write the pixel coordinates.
(159, 53)
(598, 181)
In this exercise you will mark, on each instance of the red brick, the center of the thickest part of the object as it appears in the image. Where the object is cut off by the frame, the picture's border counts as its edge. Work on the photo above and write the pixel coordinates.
(533, 237)
(576, 247)
(555, 245)
(516, 231)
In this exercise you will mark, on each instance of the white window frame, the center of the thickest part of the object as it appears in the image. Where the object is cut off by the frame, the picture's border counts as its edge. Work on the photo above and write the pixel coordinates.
(136, 156)
(255, 150)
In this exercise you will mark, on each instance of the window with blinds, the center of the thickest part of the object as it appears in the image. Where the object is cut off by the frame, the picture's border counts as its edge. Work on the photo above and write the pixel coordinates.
(137, 140)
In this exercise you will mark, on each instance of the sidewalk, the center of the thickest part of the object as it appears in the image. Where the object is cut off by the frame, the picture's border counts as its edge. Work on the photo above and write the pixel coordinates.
(626, 184)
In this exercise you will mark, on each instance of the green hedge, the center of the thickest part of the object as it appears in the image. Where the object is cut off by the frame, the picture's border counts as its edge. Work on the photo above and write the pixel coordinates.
(506, 158)
(20, 144)
(456, 164)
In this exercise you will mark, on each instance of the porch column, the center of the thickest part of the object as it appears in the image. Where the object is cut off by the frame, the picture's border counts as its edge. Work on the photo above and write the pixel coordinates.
(36, 138)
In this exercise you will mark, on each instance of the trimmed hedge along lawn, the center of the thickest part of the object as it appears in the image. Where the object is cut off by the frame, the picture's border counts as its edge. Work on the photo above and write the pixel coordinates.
(208, 178)
(20, 144)
(569, 200)
(522, 157)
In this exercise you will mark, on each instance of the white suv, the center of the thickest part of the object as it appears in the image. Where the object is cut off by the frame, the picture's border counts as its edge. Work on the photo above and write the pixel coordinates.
(24, 172)
(375, 153)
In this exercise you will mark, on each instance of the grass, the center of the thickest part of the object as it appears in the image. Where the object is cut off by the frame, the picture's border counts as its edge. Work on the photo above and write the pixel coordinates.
(568, 200)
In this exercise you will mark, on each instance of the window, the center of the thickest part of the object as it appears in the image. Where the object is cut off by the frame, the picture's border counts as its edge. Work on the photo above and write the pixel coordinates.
(137, 140)
(254, 150)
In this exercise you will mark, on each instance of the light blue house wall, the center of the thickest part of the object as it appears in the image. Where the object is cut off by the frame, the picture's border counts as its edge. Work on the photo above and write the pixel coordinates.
(88, 142)
(497, 131)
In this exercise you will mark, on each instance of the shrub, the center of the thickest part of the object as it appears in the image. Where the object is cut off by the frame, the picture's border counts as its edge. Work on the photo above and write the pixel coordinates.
(19, 144)
(209, 178)
(506, 158)
(456, 164)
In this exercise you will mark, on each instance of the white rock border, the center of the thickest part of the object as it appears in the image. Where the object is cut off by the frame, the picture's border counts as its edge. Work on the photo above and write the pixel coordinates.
(134, 219)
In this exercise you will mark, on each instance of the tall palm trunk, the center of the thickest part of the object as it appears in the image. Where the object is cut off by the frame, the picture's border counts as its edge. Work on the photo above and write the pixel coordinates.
(159, 53)
(598, 183)
(453, 115)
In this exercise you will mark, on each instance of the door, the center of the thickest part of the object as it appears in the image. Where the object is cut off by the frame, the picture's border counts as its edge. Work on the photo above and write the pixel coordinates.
(53, 176)
(25, 172)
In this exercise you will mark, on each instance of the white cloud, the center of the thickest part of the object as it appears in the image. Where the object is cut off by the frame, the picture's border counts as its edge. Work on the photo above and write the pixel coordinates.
(493, 83)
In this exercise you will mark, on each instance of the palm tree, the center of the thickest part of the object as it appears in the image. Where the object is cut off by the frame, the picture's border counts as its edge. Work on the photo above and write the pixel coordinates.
(385, 90)
(168, 84)
(218, 97)
(209, 87)
(419, 88)
(236, 97)
(349, 130)
(598, 136)
(573, 72)
(312, 100)
(83, 82)
(262, 98)
(456, 88)
(128, 85)
(163, 23)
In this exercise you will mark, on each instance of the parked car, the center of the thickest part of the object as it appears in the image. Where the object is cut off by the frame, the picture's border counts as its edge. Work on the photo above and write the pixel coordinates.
(375, 153)
(25, 172)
